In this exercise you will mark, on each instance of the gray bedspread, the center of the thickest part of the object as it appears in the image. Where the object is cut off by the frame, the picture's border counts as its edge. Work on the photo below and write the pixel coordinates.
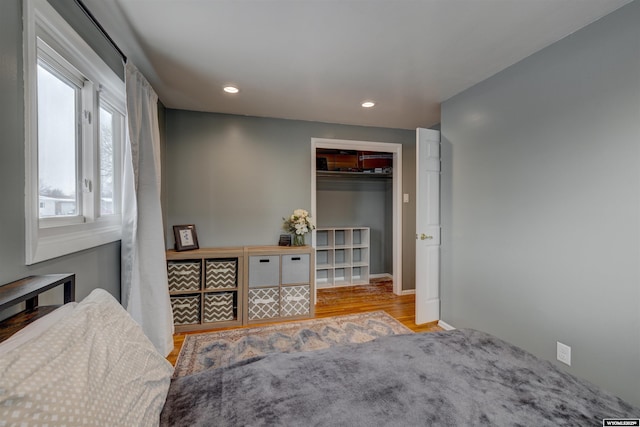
(457, 378)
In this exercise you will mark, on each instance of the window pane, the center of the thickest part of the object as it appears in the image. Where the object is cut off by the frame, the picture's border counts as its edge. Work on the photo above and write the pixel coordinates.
(106, 162)
(57, 147)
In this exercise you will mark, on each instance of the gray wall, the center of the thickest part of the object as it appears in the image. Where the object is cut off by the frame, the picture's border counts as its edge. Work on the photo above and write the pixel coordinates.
(541, 203)
(235, 177)
(362, 202)
(75, 16)
(98, 267)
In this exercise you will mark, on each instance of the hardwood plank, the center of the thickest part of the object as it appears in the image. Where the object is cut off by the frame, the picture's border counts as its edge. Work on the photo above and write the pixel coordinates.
(378, 295)
(18, 321)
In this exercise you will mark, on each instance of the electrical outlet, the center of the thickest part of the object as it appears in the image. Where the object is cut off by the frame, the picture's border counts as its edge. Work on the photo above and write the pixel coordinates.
(405, 198)
(564, 353)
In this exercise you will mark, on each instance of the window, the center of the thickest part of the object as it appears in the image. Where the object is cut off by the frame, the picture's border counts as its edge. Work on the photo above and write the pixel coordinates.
(111, 133)
(75, 125)
(57, 99)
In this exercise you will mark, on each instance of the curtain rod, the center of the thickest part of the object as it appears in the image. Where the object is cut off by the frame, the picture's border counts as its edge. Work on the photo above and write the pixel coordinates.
(100, 28)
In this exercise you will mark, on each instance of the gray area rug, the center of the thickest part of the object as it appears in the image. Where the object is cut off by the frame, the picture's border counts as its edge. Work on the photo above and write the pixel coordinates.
(456, 378)
(219, 349)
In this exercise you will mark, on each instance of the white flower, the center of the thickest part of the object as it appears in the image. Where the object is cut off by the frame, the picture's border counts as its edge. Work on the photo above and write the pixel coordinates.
(301, 228)
(299, 222)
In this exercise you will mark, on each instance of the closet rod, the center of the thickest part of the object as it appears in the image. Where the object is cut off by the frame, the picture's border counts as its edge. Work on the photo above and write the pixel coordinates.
(100, 28)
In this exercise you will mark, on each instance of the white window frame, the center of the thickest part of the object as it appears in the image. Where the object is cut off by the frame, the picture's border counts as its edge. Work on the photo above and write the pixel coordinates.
(119, 127)
(48, 238)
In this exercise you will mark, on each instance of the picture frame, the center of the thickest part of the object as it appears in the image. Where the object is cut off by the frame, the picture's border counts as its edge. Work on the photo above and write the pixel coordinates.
(185, 237)
(285, 240)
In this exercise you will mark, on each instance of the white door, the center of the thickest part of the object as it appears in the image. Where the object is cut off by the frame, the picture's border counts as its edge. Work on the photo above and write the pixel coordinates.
(427, 225)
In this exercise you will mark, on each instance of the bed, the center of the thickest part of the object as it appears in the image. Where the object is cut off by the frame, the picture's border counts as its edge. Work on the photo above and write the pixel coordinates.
(89, 364)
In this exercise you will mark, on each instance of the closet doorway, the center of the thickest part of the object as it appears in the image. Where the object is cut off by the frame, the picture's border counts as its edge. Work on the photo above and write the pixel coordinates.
(383, 150)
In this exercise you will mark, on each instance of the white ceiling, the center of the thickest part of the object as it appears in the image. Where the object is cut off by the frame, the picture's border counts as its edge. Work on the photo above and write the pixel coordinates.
(318, 60)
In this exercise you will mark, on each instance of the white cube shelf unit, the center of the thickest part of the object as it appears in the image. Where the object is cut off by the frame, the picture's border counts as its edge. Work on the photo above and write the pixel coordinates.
(342, 256)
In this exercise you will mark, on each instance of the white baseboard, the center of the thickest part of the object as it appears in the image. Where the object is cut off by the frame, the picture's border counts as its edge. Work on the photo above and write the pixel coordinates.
(445, 326)
(408, 292)
(381, 276)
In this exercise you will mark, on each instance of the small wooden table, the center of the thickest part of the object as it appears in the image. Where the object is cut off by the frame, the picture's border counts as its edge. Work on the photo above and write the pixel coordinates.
(27, 290)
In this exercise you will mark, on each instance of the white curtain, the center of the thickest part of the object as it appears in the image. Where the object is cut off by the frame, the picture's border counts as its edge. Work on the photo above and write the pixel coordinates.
(145, 293)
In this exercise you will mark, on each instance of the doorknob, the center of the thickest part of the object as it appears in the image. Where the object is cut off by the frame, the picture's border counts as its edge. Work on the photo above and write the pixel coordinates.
(425, 237)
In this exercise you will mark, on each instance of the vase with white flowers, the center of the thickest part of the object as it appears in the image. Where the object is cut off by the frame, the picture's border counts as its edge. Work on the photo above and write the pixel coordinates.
(298, 224)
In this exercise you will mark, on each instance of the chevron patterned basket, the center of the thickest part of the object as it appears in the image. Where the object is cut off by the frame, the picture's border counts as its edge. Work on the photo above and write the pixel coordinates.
(186, 309)
(183, 275)
(294, 301)
(218, 307)
(221, 273)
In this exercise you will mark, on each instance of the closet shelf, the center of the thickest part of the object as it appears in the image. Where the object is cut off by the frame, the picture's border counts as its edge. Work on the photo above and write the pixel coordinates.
(353, 175)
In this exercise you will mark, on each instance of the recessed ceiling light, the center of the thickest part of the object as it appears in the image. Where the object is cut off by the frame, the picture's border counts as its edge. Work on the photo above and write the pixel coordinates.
(231, 89)
(368, 104)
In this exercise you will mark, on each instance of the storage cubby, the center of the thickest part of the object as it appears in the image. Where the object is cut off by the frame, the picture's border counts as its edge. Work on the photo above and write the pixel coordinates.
(219, 307)
(342, 238)
(342, 276)
(360, 275)
(324, 239)
(360, 237)
(214, 288)
(360, 256)
(324, 278)
(281, 282)
(324, 258)
(186, 309)
(342, 256)
(205, 288)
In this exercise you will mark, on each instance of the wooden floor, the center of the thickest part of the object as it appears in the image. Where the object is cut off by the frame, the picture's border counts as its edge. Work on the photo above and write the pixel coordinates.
(350, 300)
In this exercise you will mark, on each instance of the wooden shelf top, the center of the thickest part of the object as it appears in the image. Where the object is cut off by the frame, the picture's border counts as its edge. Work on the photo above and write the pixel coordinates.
(222, 252)
(347, 174)
(236, 251)
(277, 249)
(29, 287)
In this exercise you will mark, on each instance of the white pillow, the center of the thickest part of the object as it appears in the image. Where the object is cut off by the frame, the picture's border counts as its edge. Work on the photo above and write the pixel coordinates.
(37, 327)
(93, 367)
